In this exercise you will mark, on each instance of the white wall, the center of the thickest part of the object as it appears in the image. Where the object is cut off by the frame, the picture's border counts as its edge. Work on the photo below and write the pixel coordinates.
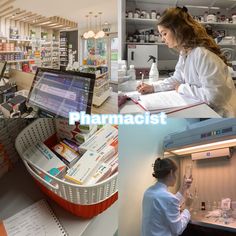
(138, 148)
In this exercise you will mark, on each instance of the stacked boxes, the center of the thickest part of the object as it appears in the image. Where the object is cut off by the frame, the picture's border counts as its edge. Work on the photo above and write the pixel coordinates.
(9, 129)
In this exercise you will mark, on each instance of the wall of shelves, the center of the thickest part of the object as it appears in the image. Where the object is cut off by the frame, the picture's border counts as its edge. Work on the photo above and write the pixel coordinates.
(134, 26)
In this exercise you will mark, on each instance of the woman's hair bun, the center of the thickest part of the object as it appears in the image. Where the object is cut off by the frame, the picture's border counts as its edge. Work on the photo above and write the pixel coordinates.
(185, 9)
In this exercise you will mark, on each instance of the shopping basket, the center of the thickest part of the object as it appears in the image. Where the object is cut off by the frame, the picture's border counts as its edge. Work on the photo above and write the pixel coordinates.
(83, 201)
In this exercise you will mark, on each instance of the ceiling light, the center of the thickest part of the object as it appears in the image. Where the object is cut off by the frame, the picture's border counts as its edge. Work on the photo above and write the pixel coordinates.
(101, 33)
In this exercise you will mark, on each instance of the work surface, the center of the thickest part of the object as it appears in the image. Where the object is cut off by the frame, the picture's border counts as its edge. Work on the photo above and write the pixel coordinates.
(110, 106)
(198, 111)
(201, 220)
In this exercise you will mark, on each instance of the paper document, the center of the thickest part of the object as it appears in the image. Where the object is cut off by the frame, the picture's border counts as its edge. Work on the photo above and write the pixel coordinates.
(162, 101)
(37, 219)
(135, 95)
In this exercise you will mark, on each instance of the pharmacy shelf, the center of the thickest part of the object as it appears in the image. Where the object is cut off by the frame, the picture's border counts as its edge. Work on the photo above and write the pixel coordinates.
(5, 52)
(138, 43)
(101, 75)
(154, 22)
(20, 40)
(16, 61)
(18, 191)
(139, 20)
(96, 88)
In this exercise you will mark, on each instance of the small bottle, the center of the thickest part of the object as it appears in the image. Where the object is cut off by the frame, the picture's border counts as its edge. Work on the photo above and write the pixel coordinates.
(205, 16)
(132, 72)
(196, 206)
(203, 206)
(208, 206)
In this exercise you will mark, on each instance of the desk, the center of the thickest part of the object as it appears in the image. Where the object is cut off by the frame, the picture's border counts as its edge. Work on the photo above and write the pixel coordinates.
(19, 191)
(198, 111)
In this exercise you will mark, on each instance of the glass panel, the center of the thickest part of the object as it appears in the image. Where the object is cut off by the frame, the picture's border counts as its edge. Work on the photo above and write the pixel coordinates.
(101, 50)
(89, 46)
(114, 59)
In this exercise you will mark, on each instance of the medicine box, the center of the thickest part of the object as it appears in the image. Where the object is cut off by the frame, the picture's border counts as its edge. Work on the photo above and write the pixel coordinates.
(106, 136)
(41, 156)
(84, 168)
(66, 154)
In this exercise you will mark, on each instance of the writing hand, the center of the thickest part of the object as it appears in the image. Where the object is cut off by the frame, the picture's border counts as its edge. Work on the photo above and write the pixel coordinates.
(145, 88)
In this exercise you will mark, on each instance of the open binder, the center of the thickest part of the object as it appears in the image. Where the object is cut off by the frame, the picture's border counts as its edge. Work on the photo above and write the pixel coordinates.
(37, 219)
(168, 101)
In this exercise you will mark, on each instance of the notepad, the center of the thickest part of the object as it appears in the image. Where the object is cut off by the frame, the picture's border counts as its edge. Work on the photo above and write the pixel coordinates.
(37, 219)
(163, 101)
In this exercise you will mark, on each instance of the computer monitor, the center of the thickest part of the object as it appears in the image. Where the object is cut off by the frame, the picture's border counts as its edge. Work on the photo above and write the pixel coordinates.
(60, 92)
(3, 65)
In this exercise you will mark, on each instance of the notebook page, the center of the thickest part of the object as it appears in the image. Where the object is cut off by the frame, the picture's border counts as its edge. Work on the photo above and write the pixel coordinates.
(165, 100)
(135, 95)
(37, 220)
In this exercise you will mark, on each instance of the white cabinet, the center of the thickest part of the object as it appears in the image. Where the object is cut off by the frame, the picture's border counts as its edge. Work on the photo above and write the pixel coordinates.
(138, 55)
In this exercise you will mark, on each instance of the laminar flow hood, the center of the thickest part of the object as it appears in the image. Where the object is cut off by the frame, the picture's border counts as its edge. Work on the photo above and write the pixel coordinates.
(212, 134)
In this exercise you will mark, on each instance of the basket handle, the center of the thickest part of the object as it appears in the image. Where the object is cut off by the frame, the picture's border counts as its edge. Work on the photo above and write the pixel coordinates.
(55, 187)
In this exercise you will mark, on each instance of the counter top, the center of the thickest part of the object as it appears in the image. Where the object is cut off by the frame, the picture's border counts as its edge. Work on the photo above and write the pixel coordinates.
(200, 219)
(110, 106)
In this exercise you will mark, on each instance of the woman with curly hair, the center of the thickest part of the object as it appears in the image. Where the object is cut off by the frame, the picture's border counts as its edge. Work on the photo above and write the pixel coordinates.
(161, 214)
(202, 71)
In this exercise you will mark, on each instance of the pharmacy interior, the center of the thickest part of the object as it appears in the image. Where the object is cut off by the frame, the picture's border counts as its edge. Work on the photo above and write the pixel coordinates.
(71, 41)
(144, 52)
(203, 149)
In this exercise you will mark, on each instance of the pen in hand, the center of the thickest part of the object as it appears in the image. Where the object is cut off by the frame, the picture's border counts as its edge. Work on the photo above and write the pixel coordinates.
(142, 78)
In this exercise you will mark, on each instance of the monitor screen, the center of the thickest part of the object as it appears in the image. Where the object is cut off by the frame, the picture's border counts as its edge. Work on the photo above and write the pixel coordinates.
(61, 92)
(2, 68)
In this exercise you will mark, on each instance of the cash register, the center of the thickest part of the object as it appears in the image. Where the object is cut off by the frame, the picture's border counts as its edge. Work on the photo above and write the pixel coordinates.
(6, 89)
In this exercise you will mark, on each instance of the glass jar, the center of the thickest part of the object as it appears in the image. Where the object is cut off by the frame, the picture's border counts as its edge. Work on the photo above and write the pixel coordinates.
(130, 14)
(153, 14)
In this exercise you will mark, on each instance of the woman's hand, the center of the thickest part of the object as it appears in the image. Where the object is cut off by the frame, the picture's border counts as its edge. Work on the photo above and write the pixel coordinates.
(145, 88)
(177, 87)
(186, 185)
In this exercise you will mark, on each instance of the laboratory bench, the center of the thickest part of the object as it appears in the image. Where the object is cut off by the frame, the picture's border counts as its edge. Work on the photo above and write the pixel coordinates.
(18, 191)
(200, 225)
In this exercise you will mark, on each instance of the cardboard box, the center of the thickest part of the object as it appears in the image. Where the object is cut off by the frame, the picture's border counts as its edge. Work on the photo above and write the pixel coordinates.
(84, 168)
(66, 154)
(106, 136)
(41, 156)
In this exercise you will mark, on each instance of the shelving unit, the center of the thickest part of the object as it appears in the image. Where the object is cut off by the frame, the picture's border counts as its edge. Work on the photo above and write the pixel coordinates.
(64, 59)
(102, 89)
(139, 24)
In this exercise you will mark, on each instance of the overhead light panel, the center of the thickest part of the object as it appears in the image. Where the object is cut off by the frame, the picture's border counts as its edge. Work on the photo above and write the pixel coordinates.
(203, 147)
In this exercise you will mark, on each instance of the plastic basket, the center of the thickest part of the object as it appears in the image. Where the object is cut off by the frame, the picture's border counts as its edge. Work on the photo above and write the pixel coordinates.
(83, 201)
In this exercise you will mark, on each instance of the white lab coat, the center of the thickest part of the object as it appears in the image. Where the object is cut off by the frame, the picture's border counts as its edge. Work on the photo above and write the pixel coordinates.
(203, 75)
(161, 212)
